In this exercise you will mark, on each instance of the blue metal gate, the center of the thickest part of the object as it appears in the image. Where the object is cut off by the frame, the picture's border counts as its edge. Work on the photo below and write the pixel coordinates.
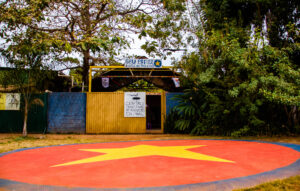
(66, 112)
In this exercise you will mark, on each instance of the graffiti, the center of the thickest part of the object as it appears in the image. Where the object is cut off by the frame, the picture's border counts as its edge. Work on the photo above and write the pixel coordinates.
(10, 101)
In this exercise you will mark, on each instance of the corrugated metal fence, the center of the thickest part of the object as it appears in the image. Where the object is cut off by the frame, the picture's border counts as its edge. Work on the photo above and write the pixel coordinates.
(66, 112)
(12, 120)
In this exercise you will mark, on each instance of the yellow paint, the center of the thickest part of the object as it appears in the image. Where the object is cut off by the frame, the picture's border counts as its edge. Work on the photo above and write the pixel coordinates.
(105, 114)
(90, 79)
(144, 151)
(2, 101)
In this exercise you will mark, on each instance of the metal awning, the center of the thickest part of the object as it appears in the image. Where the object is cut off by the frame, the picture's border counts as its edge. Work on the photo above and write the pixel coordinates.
(157, 76)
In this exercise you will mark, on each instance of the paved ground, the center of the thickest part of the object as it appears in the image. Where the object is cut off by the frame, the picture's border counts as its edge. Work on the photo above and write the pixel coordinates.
(149, 165)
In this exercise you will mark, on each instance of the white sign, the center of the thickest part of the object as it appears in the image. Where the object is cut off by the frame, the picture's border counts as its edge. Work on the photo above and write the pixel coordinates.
(143, 63)
(134, 104)
(105, 82)
(176, 82)
(11, 101)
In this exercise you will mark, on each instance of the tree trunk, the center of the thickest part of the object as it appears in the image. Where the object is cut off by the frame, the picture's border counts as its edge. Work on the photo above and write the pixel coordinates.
(25, 118)
(86, 16)
(86, 67)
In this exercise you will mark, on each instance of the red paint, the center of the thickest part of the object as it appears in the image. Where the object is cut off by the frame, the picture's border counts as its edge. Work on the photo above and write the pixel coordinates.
(34, 166)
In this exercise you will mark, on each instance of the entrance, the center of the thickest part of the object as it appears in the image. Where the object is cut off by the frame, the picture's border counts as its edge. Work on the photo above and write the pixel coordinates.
(105, 114)
(153, 112)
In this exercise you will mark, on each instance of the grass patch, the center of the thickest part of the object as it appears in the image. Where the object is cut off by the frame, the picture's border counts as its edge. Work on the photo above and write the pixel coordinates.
(289, 184)
(21, 138)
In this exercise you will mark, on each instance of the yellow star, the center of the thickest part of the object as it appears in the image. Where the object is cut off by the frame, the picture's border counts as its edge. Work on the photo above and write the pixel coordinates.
(143, 151)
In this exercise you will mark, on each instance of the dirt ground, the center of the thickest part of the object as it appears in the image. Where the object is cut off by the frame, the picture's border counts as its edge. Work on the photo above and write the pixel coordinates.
(10, 142)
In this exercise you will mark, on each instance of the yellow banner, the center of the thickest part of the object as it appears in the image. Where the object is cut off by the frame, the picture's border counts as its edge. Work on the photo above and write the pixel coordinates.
(2, 101)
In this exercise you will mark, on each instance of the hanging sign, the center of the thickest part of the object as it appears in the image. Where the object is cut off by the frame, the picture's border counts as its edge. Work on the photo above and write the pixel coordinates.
(134, 104)
(143, 63)
(10, 101)
(176, 82)
(105, 82)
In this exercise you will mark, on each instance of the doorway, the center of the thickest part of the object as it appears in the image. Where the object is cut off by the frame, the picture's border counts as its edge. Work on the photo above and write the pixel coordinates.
(153, 112)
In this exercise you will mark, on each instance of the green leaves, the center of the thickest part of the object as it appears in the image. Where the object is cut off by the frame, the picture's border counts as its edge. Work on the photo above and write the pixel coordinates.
(68, 47)
(245, 66)
(174, 5)
(240, 88)
(150, 47)
(96, 30)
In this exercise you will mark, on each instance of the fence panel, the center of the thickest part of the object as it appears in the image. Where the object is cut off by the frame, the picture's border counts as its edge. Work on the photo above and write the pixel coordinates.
(105, 114)
(66, 112)
(171, 102)
(11, 121)
(37, 116)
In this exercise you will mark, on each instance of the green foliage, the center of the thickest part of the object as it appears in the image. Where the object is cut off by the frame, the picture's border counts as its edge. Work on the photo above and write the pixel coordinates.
(245, 70)
(167, 30)
(141, 85)
(25, 55)
(191, 112)
(170, 123)
(276, 15)
(26, 58)
(96, 30)
(76, 75)
(238, 90)
(13, 77)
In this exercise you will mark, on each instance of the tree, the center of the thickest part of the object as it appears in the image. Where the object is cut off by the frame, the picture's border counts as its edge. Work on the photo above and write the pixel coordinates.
(96, 30)
(239, 90)
(270, 17)
(242, 79)
(28, 71)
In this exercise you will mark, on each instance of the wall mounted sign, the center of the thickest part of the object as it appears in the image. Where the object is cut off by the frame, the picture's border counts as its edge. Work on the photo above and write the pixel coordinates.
(10, 101)
(134, 104)
(143, 63)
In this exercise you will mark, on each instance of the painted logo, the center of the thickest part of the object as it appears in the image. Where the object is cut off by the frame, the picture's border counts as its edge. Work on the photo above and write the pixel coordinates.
(143, 163)
(157, 63)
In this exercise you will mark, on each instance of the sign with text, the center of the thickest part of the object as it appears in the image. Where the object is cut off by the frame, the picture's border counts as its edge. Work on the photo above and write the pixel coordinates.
(134, 104)
(143, 63)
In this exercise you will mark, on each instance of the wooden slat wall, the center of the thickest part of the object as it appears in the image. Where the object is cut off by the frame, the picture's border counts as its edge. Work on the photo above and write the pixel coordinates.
(105, 114)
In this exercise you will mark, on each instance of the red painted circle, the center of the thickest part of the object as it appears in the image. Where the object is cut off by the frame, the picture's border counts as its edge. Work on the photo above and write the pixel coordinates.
(34, 165)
